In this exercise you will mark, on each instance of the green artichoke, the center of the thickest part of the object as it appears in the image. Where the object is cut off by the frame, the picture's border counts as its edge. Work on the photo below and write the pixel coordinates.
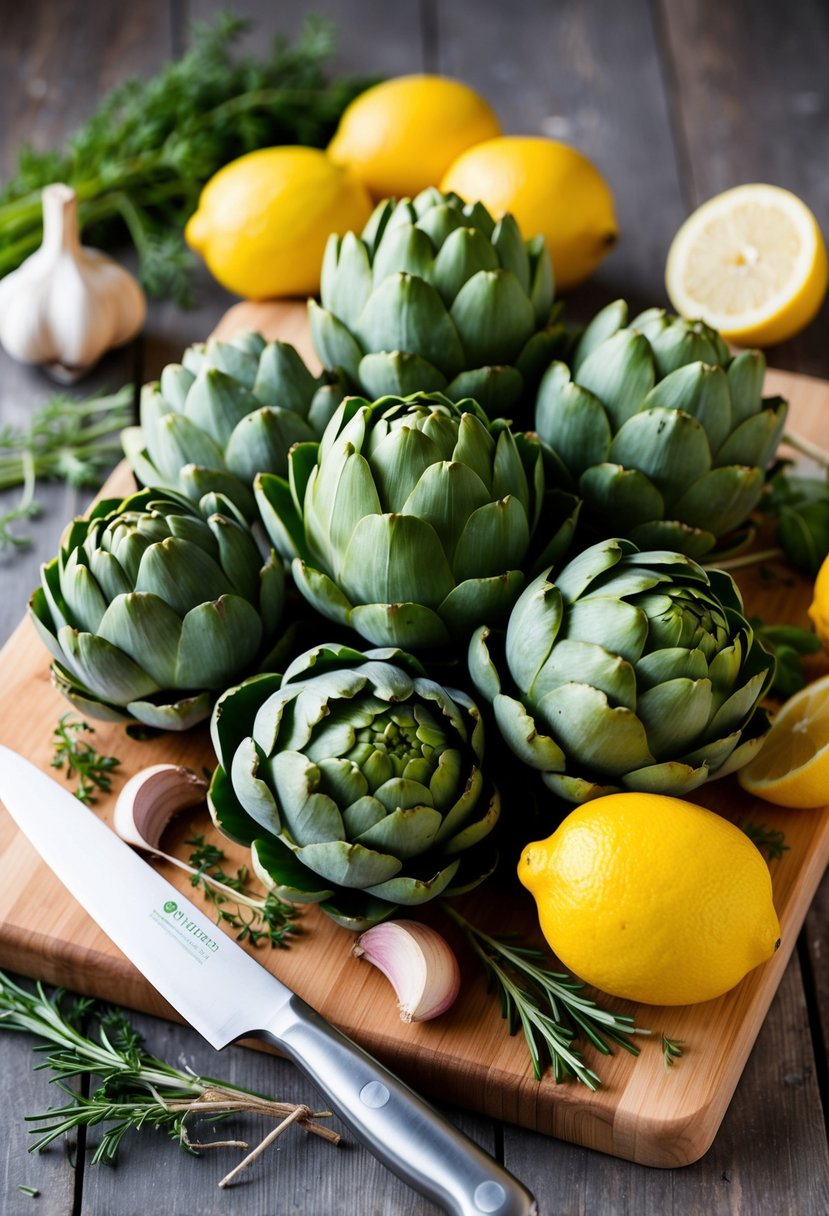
(228, 411)
(412, 520)
(632, 671)
(435, 296)
(356, 782)
(151, 608)
(666, 436)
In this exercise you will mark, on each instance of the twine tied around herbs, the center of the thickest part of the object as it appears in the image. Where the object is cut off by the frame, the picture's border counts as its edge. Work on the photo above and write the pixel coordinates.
(217, 1101)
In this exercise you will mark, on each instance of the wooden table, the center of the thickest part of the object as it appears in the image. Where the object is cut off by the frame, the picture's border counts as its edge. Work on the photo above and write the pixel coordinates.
(674, 103)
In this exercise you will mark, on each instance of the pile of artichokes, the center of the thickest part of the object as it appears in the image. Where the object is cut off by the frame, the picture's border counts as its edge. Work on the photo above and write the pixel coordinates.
(545, 579)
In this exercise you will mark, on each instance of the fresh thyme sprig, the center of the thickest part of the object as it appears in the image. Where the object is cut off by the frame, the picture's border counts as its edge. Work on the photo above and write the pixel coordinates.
(547, 1006)
(134, 1089)
(72, 440)
(771, 841)
(94, 771)
(268, 919)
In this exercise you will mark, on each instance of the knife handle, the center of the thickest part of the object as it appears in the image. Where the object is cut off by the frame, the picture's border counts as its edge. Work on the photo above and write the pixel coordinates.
(394, 1124)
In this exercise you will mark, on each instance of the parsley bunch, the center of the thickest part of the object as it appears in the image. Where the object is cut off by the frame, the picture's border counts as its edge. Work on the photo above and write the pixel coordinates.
(138, 165)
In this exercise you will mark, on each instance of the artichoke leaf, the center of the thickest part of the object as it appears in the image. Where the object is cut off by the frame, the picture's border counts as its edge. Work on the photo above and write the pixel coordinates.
(349, 865)
(494, 318)
(587, 663)
(722, 498)
(412, 892)
(147, 630)
(465, 252)
(279, 871)
(608, 321)
(482, 670)
(512, 251)
(335, 345)
(533, 627)
(251, 789)
(620, 373)
(571, 420)
(494, 540)
(398, 373)
(675, 714)
(521, 732)
(406, 313)
(406, 248)
(489, 599)
(670, 448)
(395, 559)
(83, 598)
(103, 668)
(405, 832)
(234, 710)
(261, 441)
(671, 777)
(410, 625)
(495, 388)
(218, 640)
(216, 403)
(593, 734)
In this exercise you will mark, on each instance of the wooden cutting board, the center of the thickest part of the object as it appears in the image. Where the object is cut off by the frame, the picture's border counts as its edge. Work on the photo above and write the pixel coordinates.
(641, 1112)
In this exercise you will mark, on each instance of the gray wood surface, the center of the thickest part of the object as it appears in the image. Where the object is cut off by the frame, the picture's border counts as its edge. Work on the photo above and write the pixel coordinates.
(673, 102)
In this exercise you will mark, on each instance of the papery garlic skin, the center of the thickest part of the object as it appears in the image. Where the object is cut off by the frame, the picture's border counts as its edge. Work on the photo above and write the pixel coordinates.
(150, 799)
(67, 304)
(419, 964)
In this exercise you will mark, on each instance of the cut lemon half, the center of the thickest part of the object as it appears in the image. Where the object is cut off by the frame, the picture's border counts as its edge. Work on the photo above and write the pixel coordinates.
(792, 766)
(752, 263)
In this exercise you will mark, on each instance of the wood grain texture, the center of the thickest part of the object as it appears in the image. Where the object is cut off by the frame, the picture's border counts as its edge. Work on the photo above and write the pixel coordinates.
(641, 1113)
(732, 128)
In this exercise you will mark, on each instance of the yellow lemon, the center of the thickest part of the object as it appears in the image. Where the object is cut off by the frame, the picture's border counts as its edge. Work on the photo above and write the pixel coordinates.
(652, 898)
(792, 766)
(752, 263)
(819, 608)
(550, 188)
(263, 220)
(402, 135)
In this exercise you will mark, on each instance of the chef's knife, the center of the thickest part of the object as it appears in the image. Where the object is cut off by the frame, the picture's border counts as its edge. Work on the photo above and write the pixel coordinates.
(226, 995)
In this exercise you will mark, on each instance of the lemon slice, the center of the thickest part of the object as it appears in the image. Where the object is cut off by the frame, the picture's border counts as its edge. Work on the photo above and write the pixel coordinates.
(752, 263)
(792, 766)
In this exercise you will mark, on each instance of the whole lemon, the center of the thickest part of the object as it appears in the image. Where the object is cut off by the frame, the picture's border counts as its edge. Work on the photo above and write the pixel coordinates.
(402, 135)
(263, 220)
(652, 898)
(550, 188)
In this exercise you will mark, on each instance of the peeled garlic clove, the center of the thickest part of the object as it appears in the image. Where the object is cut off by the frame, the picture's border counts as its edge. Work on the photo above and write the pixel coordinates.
(150, 799)
(419, 964)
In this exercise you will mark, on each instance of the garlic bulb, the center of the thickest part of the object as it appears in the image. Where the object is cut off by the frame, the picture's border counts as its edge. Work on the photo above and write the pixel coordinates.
(419, 964)
(66, 305)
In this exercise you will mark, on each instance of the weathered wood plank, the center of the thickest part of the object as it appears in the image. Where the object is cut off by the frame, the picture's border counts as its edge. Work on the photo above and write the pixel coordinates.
(751, 102)
(301, 1173)
(770, 1153)
(587, 74)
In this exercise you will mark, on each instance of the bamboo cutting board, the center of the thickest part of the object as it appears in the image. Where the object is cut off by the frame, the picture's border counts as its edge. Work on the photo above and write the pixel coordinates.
(465, 1057)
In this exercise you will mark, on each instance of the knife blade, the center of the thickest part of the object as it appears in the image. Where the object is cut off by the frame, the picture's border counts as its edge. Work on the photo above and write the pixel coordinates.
(226, 995)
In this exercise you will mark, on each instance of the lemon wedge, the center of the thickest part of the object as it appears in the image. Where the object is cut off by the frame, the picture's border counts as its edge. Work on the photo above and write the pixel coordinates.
(792, 766)
(752, 263)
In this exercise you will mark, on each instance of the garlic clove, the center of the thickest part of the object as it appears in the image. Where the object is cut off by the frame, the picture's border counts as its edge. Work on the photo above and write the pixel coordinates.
(148, 802)
(419, 964)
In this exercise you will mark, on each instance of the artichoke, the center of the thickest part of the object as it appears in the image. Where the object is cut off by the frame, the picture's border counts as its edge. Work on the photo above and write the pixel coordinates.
(412, 519)
(356, 782)
(151, 608)
(435, 296)
(665, 434)
(228, 411)
(632, 671)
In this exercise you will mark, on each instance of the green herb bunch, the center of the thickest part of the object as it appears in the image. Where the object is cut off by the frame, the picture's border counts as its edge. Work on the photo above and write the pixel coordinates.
(138, 164)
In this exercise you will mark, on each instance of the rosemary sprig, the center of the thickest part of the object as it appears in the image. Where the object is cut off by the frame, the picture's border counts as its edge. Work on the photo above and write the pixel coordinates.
(134, 1089)
(771, 841)
(671, 1050)
(548, 1007)
(94, 771)
(268, 919)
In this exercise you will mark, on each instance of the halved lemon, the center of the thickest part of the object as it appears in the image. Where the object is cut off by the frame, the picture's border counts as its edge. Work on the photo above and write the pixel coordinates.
(752, 263)
(792, 766)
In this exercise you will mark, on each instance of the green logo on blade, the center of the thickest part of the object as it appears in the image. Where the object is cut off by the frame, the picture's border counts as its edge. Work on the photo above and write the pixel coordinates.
(170, 906)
